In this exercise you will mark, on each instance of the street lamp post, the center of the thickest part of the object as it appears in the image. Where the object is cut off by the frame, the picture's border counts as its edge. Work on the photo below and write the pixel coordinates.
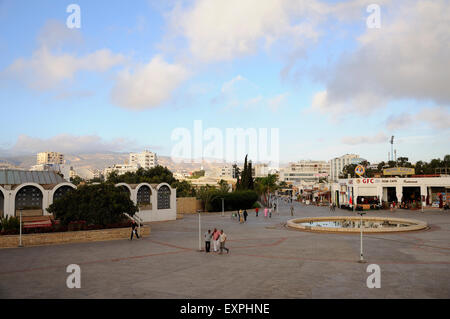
(361, 256)
(199, 230)
(20, 228)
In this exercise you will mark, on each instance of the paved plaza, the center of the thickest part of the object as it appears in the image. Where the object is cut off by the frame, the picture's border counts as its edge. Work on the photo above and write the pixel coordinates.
(266, 260)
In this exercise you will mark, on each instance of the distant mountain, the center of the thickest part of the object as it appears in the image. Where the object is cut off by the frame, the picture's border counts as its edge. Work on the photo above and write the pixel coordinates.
(103, 160)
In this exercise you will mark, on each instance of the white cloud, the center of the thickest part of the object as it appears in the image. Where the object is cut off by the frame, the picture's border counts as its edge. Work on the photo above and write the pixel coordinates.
(434, 117)
(223, 30)
(55, 34)
(239, 92)
(46, 70)
(228, 86)
(277, 101)
(149, 85)
(405, 59)
(70, 144)
(355, 140)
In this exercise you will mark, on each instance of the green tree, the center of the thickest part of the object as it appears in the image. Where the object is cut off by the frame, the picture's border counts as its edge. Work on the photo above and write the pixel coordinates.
(206, 193)
(223, 186)
(77, 180)
(266, 185)
(155, 175)
(197, 174)
(100, 204)
(184, 189)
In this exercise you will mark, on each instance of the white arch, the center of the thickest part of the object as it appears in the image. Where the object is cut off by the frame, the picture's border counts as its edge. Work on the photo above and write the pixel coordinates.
(43, 192)
(52, 194)
(3, 191)
(146, 184)
(124, 184)
(133, 192)
(160, 185)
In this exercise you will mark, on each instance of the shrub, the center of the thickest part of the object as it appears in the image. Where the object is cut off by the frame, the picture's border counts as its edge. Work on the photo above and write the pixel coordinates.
(233, 201)
(99, 204)
(9, 225)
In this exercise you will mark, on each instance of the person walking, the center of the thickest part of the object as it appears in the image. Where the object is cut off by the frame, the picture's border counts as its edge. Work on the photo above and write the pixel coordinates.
(216, 235)
(223, 239)
(265, 212)
(241, 217)
(292, 210)
(245, 215)
(270, 212)
(256, 210)
(134, 229)
(208, 237)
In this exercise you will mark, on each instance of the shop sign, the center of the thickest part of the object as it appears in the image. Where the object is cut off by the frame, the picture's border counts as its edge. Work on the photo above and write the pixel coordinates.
(399, 171)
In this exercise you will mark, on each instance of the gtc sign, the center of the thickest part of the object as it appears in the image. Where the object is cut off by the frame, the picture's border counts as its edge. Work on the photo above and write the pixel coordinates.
(367, 180)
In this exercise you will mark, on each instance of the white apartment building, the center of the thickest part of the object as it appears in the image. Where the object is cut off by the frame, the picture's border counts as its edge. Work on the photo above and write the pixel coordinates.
(337, 164)
(52, 167)
(304, 171)
(50, 158)
(261, 170)
(228, 171)
(146, 159)
(120, 169)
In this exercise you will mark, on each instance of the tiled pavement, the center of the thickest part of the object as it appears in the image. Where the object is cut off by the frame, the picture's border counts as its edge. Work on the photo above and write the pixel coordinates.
(266, 260)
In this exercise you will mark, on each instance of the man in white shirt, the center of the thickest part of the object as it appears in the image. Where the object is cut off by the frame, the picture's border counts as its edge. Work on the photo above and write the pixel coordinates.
(223, 239)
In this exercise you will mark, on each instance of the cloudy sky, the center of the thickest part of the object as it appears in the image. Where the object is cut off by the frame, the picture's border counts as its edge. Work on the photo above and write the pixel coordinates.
(134, 72)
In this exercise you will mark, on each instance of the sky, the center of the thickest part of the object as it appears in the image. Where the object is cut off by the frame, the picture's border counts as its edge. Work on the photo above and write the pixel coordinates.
(318, 71)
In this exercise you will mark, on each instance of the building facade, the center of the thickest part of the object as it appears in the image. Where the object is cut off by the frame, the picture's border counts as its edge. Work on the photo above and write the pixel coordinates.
(32, 192)
(49, 158)
(261, 170)
(145, 159)
(337, 164)
(427, 191)
(304, 171)
(120, 169)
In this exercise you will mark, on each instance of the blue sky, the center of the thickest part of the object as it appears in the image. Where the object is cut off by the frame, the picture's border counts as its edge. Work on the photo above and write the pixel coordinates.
(134, 72)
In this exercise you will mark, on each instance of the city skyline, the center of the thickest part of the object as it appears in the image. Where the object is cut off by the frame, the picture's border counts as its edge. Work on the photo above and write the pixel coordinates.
(313, 69)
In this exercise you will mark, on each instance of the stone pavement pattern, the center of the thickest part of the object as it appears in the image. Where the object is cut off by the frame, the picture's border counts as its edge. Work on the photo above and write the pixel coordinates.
(266, 260)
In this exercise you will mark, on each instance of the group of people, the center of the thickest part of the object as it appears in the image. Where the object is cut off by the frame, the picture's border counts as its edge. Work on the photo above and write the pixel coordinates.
(242, 216)
(332, 207)
(267, 212)
(218, 238)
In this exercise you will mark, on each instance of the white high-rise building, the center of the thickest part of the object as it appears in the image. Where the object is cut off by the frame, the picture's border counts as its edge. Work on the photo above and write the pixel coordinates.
(261, 170)
(304, 171)
(49, 158)
(120, 169)
(146, 159)
(337, 164)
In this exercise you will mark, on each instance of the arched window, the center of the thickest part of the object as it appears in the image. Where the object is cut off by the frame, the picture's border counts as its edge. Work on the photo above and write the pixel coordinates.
(164, 197)
(29, 197)
(143, 195)
(61, 191)
(125, 189)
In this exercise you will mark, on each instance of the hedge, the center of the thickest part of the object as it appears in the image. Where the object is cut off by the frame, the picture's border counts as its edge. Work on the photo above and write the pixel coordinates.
(233, 201)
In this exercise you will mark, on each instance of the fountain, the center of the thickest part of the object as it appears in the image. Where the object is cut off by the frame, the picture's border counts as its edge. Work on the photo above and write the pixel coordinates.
(351, 224)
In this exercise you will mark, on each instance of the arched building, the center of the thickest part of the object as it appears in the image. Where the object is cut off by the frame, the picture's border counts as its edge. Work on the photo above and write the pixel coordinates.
(156, 202)
(34, 191)
(30, 191)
